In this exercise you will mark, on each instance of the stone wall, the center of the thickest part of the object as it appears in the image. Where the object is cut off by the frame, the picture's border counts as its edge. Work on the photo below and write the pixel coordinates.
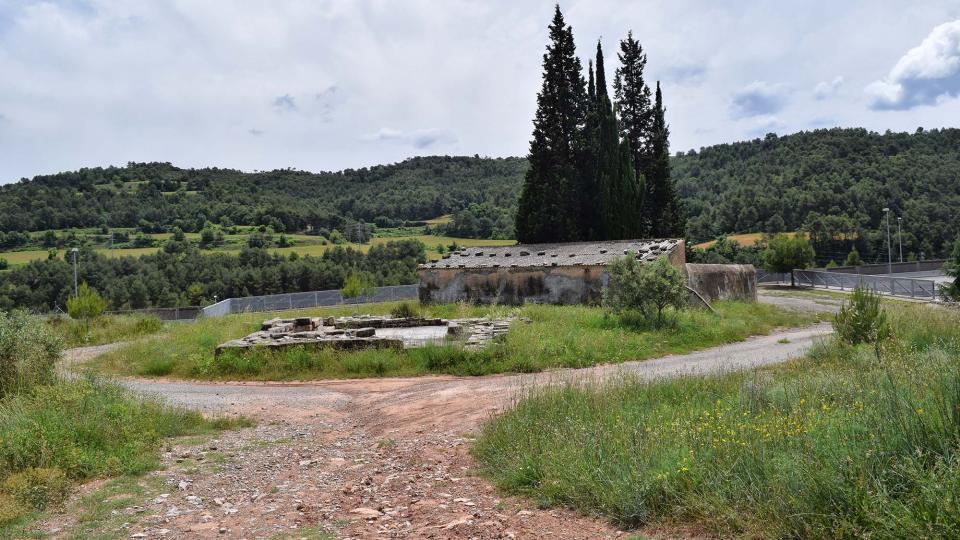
(723, 281)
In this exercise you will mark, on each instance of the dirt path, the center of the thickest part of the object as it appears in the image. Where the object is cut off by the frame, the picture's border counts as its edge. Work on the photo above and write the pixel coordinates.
(374, 458)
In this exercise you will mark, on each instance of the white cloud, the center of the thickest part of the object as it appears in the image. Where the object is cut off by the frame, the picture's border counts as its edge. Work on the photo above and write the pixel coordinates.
(758, 98)
(826, 89)
(925, 75)
(421, 138)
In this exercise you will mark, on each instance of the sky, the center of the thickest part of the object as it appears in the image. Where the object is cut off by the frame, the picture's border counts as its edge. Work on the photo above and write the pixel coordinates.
(330, 84)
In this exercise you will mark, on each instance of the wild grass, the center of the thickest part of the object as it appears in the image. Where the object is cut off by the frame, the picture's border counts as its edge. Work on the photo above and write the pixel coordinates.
(555, 337)
(837, 444)
(103, 329)
(54, 433)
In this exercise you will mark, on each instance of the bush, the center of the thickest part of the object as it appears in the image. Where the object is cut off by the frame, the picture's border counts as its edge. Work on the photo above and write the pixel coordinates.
(862, 319)
(404, 311)
(27, 353)
(952, 290)
(37, 488)
(357, 285)
(644, 288)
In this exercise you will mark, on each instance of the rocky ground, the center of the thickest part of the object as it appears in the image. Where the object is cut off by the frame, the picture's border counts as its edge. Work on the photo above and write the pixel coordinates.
(375, 458)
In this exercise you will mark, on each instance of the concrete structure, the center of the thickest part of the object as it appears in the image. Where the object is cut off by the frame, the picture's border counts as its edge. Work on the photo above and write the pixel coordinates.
(723, 281)
(571, 273)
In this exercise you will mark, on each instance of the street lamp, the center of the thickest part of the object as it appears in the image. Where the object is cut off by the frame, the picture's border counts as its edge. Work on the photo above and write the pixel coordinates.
(76, 291)
(900, 235)
(889, 253)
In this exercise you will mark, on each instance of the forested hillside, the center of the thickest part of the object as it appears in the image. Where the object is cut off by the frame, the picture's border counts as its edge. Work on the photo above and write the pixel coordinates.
(833, 183)
(159, 196)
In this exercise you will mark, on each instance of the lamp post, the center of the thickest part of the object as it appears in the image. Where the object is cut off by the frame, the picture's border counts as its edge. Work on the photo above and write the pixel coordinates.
(76, 291)
(900, 235)
(889, 251)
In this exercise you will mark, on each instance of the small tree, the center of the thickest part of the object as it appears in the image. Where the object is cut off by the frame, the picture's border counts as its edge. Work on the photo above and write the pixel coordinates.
(356, 285)
(785, 252)
(88, 304)
(853, 258)
(644, 288)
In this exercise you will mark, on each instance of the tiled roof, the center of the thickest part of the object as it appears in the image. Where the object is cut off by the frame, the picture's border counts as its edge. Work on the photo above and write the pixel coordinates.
(570, 254)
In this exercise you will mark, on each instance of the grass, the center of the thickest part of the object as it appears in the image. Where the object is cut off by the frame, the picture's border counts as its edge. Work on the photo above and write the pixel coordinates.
(55, 432)
(745, 239)
(556, 337)
(104, 329)
(838, 444)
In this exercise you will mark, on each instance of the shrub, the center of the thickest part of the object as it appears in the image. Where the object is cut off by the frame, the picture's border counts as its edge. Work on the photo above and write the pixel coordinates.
(11, 509)
(88, 304)
(644, 288)
(862, 319)
(27, 353)
(404, 311)
(953, 269)
(853, 258)
(37, 488)
(356, 285)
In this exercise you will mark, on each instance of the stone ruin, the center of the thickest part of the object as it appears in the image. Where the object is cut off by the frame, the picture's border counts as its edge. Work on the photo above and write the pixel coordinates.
(366, 331)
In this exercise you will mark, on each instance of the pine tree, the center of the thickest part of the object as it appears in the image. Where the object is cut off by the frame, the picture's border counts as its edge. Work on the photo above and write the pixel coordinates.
(666, 215)
(633, 102)
(550, 209)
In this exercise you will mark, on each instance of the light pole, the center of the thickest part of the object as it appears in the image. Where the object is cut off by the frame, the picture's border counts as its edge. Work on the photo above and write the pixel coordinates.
(889, 253)
(900, 235)
(76, 291)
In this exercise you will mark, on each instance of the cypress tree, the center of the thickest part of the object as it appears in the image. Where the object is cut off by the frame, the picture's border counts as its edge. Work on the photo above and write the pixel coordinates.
(667, 218)
(550, 209)
(590, 199)
(633, 102)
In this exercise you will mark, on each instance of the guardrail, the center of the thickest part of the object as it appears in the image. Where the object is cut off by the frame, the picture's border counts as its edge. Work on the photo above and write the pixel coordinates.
(304, 300)
(890, 285)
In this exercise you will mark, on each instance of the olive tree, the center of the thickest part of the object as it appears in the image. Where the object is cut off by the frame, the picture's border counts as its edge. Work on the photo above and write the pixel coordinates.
(646, 289)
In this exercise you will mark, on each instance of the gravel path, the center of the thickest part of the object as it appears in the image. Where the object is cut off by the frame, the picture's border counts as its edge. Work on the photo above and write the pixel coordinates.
(378, 458)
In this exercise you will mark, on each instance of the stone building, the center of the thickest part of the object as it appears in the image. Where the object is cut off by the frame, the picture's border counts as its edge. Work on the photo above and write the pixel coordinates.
(570, 273)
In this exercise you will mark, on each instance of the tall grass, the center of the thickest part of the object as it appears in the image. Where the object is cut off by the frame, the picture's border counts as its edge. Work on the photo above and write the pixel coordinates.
(54, 433)
(556, 336)
(103, 329)
(836, 445)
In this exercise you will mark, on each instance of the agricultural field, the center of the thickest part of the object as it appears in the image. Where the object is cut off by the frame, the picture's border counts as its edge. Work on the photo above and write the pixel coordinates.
(745, 239)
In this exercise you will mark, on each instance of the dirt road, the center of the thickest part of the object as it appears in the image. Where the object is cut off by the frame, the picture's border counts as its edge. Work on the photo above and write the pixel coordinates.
(376, 458)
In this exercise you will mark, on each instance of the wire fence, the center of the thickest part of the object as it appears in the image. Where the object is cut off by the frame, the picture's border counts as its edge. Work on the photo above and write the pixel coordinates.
(305, 300)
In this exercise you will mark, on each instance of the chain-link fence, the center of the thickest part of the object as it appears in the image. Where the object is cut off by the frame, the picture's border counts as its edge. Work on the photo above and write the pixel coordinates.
(304, 300)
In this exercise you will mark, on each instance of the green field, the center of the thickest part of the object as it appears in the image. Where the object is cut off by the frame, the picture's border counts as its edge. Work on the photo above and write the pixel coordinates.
(556, 337)
(303, 245)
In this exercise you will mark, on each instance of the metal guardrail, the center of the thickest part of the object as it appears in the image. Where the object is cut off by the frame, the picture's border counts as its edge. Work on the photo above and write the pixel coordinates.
(304, 300)
(889, 285)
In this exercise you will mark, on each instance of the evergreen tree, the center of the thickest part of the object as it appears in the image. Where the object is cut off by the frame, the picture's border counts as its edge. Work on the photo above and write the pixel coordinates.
(633, 102)
(618, 195)
(591, 224)
(666, 215)
(549, 208)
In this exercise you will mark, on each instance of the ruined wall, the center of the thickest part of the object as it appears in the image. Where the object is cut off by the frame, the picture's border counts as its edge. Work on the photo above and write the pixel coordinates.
(514, 286)
(723, 281)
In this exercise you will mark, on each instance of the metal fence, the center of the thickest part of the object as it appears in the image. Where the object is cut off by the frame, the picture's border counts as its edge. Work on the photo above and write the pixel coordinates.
(304, 300)
(772, 277)
(932, 265)
(185, 313)
(890, 285)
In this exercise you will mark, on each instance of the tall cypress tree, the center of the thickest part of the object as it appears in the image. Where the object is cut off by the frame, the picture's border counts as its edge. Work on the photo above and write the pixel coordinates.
(550, 209)
(667, 218)
(633, 102)
(591, 226)
(614, 187)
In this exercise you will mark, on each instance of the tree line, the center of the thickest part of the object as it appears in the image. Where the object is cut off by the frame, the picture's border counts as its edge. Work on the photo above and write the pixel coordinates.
(189, 277)
(599, 167)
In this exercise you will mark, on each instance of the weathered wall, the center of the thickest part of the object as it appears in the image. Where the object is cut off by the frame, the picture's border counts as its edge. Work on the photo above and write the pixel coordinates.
(514, 286)
(524, 284)
(723, 281)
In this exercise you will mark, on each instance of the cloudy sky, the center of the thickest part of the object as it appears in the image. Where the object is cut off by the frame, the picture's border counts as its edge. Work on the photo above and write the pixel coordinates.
(325, 85)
